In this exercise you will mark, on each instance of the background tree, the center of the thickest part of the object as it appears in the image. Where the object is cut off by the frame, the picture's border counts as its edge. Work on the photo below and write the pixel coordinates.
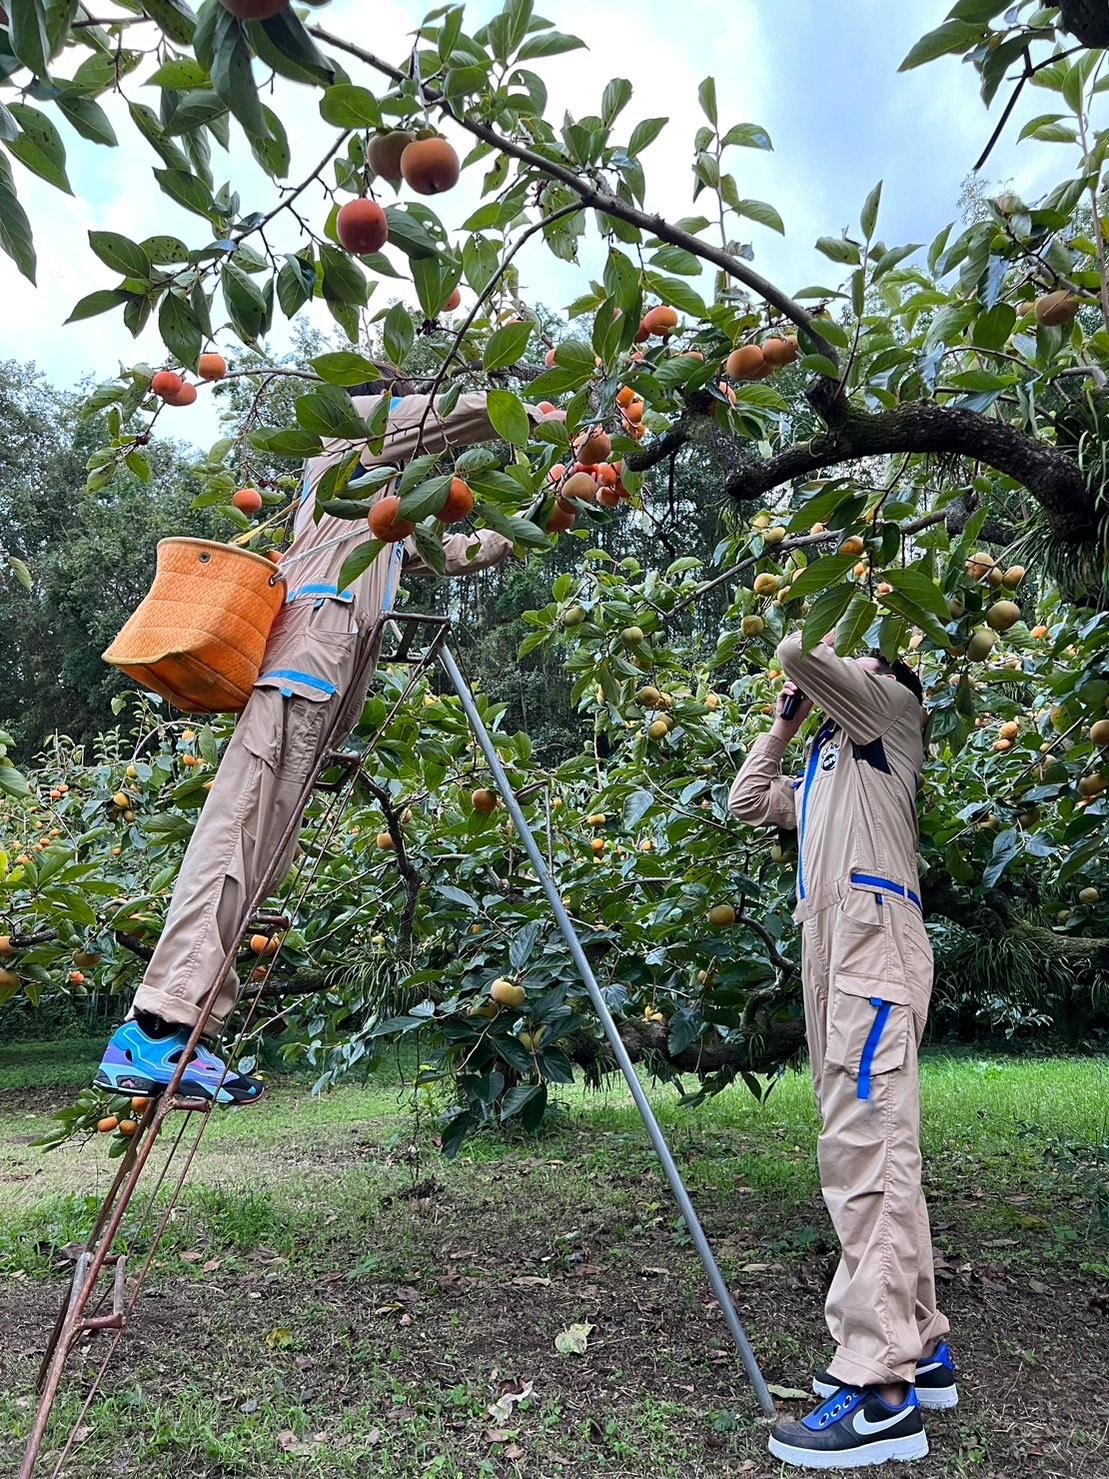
(897, 447)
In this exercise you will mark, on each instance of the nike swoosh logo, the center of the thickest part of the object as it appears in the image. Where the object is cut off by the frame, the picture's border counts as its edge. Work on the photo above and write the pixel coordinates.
(924, 1370)
(864, 1427)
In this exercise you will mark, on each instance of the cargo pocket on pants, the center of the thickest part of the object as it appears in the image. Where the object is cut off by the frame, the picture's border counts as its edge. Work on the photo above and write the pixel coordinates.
(868, 1034)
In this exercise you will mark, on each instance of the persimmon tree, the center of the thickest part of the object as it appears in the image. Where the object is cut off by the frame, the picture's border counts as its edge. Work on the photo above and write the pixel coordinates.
(912, 452)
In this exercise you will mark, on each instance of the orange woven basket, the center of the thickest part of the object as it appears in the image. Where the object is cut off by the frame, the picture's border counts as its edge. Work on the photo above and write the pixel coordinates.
(199, 636)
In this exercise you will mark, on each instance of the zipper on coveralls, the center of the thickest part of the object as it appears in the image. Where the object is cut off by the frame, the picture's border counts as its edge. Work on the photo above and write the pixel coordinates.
(870, 1047)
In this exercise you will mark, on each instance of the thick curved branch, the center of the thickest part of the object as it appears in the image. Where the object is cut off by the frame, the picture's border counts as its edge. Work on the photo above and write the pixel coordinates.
(600, 199)
(923, 427)
(774, 1043)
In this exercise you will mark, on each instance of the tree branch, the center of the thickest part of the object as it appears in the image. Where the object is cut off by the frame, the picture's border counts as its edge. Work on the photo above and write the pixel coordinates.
(601, 199)
(923, 427)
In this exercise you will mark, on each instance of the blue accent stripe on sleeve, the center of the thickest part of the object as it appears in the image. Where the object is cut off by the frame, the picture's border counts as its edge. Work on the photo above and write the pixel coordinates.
(866, 1062)
(291, 675)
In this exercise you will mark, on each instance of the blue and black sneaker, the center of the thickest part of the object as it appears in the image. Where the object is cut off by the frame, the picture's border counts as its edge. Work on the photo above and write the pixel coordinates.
(854, 1428)
(935, 1381)
(136, 1062)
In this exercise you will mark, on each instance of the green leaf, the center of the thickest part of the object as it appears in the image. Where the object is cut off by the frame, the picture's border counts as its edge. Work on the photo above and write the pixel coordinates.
(284, 44)
(180, 74)
(952, 36)
(398, 334)
(233, 76)
(345, 367)
(548, 43)
(27, 31)
(868, 220)
(617, 95)
(510, 420)
(272, 150)
(821, 574)
(88, 118)
(645, 133)
(855, 624)
(179, 329)
(919, 586)
(174, 17)
(39, 146)
(359, 560)
(15, 229)
(347, 106)
(286, 442)
(898, 602)
(889, 260)
(760, 211)
(839, 249)
(507, 345)
(188, 190)
(120, 254)
(330, 412)
(706, 96)
(747, 136)
(343, 279)
(296, 285)
(102, 301)
(426, 498)
(409, 235)
(429, 546)
(245, 301)
(826, 610)
(20, 571)
(992, 328)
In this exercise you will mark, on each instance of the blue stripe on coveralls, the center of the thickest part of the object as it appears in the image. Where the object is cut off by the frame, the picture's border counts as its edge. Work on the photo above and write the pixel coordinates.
(866, 1062)
(897, 889)
(810, 769)
(292, 676)
(319, 590)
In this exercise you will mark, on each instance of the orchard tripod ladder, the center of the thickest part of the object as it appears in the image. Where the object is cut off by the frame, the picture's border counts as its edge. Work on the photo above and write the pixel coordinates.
(80, 1312)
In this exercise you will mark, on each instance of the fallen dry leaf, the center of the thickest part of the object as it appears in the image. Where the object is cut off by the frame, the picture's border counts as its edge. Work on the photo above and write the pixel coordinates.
(574, 1340)
(787, 1394)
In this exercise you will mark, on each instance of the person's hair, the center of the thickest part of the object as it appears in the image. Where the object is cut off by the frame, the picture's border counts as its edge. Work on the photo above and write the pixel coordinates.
(902, 673)
(391, 382)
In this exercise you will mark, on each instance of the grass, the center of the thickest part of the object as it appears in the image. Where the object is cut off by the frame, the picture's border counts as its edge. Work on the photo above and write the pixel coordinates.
(332, 1295)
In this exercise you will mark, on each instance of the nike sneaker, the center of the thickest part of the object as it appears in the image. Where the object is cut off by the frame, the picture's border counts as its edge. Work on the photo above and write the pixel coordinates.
(134, 1062)
(852, 1429)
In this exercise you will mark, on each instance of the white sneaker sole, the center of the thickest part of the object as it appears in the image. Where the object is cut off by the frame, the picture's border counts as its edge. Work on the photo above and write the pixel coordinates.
(941, 1401)
(891, 1450)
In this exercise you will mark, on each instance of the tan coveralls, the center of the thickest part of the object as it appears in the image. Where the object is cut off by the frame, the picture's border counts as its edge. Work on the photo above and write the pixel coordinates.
(310, 661)
(867, 970)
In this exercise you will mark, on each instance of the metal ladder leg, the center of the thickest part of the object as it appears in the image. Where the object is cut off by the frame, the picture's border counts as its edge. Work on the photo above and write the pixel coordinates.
(658, 1140)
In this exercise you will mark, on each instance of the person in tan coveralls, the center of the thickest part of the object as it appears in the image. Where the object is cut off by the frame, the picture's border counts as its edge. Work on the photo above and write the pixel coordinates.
(867, 974)
(312, 656)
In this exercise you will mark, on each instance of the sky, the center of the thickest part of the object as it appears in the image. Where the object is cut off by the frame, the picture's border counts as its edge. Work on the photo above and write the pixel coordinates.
(820, 75)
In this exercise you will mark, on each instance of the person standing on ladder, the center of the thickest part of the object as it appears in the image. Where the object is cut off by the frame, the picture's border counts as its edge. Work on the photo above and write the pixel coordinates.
(314, 652)
(867, 975)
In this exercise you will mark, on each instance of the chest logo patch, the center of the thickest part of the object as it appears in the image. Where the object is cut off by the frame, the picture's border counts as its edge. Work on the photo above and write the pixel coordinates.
(829, 757)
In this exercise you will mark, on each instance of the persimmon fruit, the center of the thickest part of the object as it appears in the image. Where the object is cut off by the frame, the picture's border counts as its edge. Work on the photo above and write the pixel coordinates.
(386, 523)
(385, 150)
(459, 504)
(430, 166)
(247, 500)
(362, 227)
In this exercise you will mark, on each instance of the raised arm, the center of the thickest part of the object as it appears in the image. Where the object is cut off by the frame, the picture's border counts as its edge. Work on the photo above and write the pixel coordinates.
(862, 702)
(467, 423)
(465, 553)
(761, 795)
